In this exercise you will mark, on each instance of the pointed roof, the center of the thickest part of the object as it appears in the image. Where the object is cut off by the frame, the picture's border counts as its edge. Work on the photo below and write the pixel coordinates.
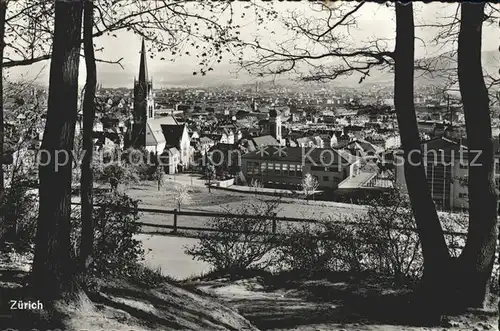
(143, 67)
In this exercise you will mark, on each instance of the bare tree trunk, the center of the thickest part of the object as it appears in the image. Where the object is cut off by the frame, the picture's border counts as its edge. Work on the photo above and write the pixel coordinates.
(4, 228)
(86, 183)
(53, 266)
(3, 11)
(434, 248)
(477, 258)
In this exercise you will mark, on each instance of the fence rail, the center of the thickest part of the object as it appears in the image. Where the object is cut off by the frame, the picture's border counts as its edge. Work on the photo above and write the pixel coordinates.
(274, 220)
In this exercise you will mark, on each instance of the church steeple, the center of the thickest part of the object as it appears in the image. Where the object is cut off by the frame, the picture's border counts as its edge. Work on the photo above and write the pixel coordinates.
(143, 67)
(144, 107)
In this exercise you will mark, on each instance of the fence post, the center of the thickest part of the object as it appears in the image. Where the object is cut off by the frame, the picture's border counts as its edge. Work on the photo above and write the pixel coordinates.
(175, 221)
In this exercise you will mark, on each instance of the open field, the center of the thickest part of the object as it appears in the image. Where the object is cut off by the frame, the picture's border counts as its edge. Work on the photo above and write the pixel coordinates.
(220, 201)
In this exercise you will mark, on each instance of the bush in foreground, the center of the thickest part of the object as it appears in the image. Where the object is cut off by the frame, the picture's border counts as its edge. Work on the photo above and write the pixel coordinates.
(239, 243)
(18, 217)
(115, 252)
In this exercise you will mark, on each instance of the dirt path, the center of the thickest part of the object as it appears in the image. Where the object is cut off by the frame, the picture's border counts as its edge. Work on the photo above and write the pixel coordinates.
(335, 304)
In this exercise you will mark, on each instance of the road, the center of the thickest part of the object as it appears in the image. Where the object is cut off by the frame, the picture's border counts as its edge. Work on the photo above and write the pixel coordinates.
(167, 254)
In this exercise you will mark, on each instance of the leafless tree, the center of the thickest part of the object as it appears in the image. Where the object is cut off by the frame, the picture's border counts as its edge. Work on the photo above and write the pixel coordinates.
(181, 196)
(329, 53)
(3, 12)
(445, 66)
(477, 258)
(87, 180)
(309, 185)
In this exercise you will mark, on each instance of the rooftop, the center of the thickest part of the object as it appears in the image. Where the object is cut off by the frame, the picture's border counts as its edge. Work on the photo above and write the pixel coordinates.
(357, 181)
(325, 156)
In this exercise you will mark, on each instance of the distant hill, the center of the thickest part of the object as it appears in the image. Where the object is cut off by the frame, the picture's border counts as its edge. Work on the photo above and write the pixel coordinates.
(173, 75)
(444, 66)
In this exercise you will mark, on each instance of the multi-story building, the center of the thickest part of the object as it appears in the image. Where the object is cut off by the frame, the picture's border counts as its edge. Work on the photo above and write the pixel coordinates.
(446, 166)
(286, 166)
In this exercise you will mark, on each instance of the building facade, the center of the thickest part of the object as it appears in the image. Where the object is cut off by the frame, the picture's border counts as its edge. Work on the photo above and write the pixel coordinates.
(287, 166)
(447, 167)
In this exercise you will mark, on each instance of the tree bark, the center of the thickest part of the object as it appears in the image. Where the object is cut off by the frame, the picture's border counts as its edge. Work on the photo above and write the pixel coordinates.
(53, 266)
(477, 258)
(87, 180)
(4, 228)
(434, 248)
(3, 11)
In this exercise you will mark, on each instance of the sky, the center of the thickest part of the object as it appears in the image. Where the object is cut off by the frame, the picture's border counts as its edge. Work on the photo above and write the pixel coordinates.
(374, 20)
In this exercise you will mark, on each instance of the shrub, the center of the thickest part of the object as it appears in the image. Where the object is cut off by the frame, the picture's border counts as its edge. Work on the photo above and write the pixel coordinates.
(239, 243)
(312, 248)
(117, 173)
(115, 251)
(388, 233)
(18, 216)
(384, 241)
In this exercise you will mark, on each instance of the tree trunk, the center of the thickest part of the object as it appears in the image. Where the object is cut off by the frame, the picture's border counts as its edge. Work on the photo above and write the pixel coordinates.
(4, 228)
(86, 183)
(434, 248)
(53, 266)
(476, 261)
(3, 11)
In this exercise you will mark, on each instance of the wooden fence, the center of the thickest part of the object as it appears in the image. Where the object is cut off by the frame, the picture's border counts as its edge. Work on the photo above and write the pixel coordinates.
(275, 220)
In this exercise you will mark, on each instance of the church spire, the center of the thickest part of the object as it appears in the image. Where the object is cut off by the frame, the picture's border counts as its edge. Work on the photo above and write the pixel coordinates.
(143, 68)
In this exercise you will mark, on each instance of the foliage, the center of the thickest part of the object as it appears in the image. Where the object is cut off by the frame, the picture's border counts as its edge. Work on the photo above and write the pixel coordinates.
(209, 172)
(18, 216)
(115, 251)
(312, 248)
(239, 243)
(390, 237)
(158, 176)
(118, 173)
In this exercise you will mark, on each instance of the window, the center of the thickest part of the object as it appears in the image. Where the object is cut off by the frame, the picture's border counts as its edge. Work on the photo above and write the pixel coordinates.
(277, 168)
(497, 166)
(284, 169)
(292, 170)
(270, 167)
(326, 178)
(298, 173)
(462, 195)
(263, 167)
(252, 167)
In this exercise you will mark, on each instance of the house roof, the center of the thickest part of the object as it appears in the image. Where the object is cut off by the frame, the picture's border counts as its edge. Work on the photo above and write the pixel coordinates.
(441, 143)
(206, 140)
(155, 125)
(266, 140)
(325, 156)
(170, 151)
(173, 134)
(303, 140)
(359, 144)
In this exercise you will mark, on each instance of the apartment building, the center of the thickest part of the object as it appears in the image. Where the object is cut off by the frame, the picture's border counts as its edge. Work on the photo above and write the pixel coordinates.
(446, 166)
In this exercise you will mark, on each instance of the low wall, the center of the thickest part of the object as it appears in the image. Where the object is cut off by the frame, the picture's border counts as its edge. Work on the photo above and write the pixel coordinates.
(225, 183)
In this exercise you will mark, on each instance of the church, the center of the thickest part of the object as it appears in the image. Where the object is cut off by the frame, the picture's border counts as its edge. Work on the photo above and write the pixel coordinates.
(158, 135)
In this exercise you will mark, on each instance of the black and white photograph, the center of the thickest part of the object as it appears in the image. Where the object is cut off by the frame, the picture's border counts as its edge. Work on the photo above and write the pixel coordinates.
(231, 165)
